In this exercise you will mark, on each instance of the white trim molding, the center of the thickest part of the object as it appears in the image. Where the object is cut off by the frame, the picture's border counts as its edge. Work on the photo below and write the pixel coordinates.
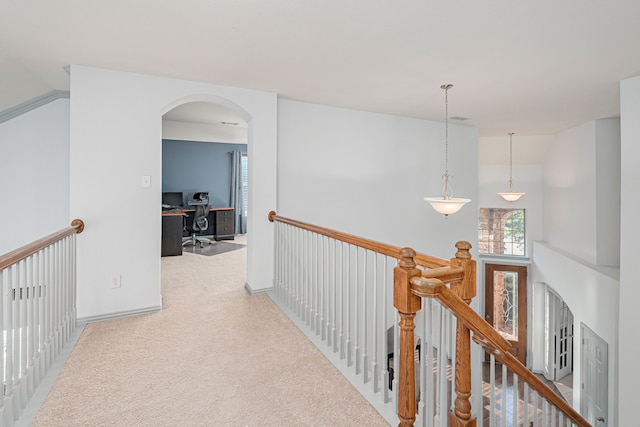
(118, 315)
(32, 104)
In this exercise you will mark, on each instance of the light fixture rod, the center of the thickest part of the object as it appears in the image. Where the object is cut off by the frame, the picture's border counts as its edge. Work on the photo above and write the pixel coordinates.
(446, 128)
(511, 160)
(511, 196)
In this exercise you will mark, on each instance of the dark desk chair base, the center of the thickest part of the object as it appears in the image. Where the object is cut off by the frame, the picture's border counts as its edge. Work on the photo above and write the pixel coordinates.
(194, 240)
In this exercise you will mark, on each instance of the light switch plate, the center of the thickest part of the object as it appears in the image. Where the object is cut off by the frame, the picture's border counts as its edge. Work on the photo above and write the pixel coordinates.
(146, 181)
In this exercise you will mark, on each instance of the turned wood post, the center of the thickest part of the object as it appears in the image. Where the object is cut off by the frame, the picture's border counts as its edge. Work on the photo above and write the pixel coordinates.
(466, 289)
(407, 305)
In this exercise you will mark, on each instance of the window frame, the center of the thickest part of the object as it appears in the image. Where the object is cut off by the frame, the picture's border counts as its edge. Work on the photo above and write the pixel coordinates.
(487, 243)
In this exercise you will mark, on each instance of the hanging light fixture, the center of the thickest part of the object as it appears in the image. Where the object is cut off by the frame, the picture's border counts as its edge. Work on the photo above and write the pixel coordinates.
(446, 204)
(511, 196)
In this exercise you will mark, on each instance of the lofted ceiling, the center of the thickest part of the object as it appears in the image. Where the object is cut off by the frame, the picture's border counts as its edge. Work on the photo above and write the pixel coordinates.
(533, 67)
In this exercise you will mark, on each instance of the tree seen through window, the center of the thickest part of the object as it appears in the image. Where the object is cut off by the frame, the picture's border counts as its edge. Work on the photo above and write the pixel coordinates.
(501, 231)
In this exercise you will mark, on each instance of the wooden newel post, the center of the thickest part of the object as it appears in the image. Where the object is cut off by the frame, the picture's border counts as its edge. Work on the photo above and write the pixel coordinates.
(407, 305)
(461, 414)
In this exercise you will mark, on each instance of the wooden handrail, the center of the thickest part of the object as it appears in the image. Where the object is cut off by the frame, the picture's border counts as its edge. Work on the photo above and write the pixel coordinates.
(434, 288)
(410, 286)
(422, 260)
(17, 255)
(491, 340)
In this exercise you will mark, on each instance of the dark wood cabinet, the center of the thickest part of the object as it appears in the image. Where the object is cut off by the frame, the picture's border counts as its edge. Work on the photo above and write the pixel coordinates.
(224, 224)
(171, 235)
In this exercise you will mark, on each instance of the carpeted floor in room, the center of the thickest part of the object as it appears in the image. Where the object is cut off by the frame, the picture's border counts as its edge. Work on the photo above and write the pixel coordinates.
(214, 356)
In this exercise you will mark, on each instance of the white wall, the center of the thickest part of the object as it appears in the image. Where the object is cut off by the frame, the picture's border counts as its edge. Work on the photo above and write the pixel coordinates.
(581, 187)
(34, 174)
(367, 174)
(593, 298)
(608, 191)
(569, 187)
(116, 132)
(629, 237)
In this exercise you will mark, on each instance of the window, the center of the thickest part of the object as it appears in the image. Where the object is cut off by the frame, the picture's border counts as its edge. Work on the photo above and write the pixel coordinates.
(501, 231)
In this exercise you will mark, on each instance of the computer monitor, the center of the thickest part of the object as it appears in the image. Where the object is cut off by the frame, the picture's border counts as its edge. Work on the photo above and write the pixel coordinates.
(172, 198)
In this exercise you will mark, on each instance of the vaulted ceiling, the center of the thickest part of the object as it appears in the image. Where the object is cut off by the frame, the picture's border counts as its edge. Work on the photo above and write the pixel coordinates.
(533, 67)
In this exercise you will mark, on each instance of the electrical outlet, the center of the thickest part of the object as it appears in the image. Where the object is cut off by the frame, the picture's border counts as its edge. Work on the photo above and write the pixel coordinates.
(116, 281)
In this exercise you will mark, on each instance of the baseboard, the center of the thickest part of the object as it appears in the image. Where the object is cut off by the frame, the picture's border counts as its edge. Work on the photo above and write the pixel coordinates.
(118, 315)
(252, 291)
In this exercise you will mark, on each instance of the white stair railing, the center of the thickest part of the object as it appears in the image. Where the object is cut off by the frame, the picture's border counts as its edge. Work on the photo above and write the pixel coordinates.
(38, 314)
(338, 289)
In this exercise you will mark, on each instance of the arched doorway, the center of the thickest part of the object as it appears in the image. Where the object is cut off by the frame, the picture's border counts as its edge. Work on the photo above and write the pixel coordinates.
(205, 150)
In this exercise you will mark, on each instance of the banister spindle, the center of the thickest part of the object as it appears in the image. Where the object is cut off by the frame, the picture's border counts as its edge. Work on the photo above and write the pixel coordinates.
(407, 305)
(466, 289)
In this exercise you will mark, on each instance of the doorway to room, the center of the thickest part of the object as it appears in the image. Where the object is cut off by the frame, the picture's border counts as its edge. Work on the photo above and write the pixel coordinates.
(558, 333)
(205, 154)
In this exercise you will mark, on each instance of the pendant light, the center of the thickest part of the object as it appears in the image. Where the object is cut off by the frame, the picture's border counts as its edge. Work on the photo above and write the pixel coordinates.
(446, 204)
(511, 196)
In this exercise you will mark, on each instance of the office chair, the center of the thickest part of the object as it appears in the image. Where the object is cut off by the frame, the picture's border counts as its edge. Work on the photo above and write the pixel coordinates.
(200, 221)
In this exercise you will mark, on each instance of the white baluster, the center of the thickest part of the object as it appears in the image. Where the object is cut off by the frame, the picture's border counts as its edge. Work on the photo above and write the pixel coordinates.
(320, 287)
(396, 358)
(56, 301)
(492, 390)
(38, 318)
(343, 305)
(514, 401)
(377, 331)
(526, 404)
(336, 299)
(276, 259)
(48, 280)
(504, 392)
(356, 313)
(451, 322)
(310, 277)
(301, 276)
(365, 305)
(326, 273)
(428, 363)
(66, 330)
(329, 292)
(442, 406)
(29, 325)
(349, 308)
(294, 285)
(386, 307)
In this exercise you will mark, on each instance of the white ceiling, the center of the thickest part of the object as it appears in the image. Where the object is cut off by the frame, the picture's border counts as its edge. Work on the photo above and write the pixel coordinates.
(533, 67)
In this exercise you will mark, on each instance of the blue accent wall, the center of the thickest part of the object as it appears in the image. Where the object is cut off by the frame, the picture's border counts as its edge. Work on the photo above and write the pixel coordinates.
(191, 166)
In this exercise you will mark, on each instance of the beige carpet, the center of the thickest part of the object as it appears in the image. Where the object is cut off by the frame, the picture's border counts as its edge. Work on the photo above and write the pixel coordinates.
(214, 356)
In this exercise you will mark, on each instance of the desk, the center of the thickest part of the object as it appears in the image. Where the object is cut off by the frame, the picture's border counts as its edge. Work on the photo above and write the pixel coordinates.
(221, 226)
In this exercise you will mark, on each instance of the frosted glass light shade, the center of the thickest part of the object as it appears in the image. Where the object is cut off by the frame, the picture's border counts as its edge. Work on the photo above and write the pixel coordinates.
(511, 196)
(446, 206)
